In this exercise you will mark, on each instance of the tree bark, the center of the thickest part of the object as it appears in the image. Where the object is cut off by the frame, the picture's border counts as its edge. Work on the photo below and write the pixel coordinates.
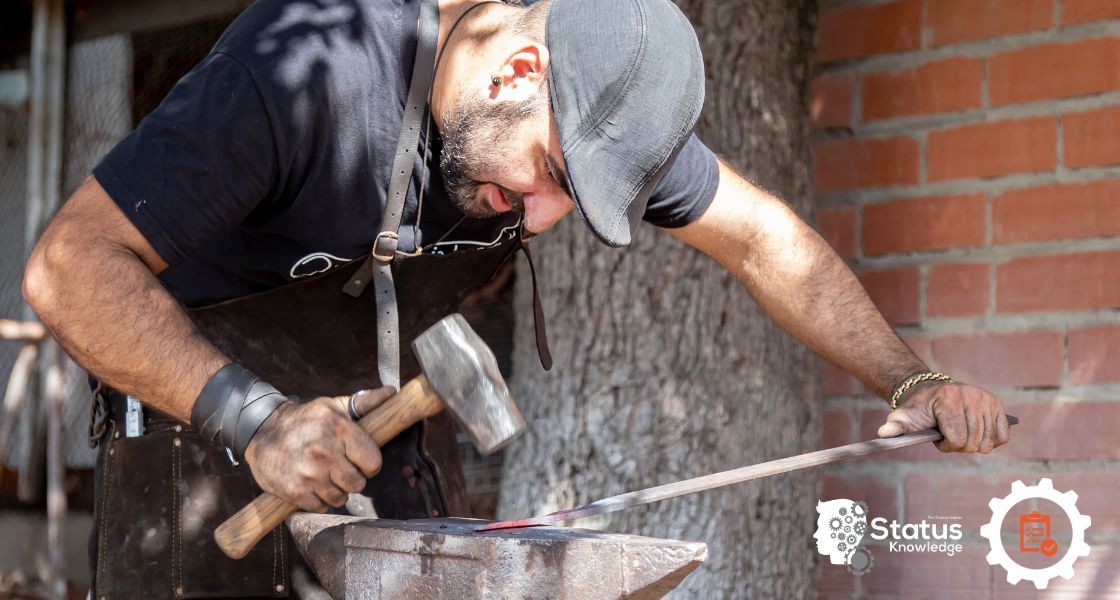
(664, 367)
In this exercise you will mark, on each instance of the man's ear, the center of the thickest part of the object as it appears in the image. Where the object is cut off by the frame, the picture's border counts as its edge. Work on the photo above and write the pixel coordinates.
(522, 72)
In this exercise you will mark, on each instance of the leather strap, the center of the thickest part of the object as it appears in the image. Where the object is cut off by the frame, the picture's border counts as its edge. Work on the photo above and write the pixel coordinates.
(378, 266)
(543, 351)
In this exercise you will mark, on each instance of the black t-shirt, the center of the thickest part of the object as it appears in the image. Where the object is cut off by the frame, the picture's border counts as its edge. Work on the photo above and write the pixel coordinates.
(270, 160)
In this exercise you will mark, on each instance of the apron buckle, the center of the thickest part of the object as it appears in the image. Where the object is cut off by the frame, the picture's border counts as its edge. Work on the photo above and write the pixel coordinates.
(385, 246)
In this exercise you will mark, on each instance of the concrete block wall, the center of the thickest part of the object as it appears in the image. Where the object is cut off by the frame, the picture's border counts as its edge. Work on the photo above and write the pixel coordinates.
(967, 164)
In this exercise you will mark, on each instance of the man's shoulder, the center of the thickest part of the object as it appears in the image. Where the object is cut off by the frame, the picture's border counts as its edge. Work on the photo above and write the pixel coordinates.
(292, 42)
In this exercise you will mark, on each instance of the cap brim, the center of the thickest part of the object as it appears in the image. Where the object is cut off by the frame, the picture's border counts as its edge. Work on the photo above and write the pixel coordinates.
(611, 208)
(626, 93)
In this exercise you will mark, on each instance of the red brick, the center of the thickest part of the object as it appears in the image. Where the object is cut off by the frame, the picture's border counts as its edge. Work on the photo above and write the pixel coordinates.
(1029, 359)
(1054, 71)
(856, 31)
(1054, 212)
(943, 86)
(1103, 563)
(951, 21)
(923, 224)
(957, 290)
(1096, 496)
(1083, 11)
(968, 576)
(1075, 430)
(870, 420)
(1085, 144)
(955, 495)
(895, 292)
(838, 226)
(992, 149)
(832, 101)
(880, 495)
(1094, 355)
(921, 347)
(935, 576)
(836, 428)
(1065, 282)
(838, 382)
(865, 162)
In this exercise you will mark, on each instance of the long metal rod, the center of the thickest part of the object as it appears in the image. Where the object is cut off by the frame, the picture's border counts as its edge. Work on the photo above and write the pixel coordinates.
(723, 478)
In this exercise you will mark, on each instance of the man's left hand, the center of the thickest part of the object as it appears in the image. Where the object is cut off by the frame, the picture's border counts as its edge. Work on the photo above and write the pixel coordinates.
(969, 418)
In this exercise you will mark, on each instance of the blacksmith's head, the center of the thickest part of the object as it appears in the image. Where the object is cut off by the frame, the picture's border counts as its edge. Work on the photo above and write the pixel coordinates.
(567, 104)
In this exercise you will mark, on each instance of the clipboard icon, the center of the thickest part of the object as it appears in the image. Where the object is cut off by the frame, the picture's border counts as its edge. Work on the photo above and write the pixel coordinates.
(1034, 531)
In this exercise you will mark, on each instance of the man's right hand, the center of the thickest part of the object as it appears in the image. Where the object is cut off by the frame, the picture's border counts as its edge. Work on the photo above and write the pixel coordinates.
(312, 454)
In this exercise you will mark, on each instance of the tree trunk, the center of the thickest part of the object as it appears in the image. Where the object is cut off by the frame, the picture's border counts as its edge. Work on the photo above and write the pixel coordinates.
(664, 367)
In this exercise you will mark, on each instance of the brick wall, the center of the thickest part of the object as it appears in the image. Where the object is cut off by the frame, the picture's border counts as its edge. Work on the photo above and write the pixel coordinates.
(967, 164)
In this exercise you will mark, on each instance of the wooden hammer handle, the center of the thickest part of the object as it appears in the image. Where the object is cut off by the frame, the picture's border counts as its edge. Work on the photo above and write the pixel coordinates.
(241, 532)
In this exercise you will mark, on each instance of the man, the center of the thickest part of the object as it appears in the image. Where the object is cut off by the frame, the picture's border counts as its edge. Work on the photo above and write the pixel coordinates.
(214, 265)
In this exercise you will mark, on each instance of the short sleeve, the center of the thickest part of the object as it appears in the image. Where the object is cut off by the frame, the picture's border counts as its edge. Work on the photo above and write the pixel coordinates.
(199, 164)
(687, 189)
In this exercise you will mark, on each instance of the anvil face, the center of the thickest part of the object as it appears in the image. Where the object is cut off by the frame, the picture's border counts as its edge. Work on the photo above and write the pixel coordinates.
(445, 558)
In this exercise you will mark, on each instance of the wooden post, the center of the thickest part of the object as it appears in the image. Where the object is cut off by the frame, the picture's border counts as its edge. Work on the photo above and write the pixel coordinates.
(44, 189)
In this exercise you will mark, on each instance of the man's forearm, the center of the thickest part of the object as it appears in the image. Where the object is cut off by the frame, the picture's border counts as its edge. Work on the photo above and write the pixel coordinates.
(800, 281)
(111, 314)
(813, 294)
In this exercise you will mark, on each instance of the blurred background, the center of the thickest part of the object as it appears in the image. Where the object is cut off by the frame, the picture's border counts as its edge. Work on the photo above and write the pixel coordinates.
(965, 161)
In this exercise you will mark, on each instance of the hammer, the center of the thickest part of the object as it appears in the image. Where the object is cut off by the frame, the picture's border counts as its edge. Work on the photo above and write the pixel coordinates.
(460, 374)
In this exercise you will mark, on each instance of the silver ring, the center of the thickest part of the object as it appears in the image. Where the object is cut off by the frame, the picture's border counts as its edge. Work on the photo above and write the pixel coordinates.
(354, 416)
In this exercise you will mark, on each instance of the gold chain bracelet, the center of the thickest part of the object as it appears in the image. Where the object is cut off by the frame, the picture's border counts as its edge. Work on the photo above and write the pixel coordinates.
(914, 380)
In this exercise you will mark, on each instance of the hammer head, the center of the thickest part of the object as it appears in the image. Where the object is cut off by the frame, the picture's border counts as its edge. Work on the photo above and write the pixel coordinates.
(461, 368)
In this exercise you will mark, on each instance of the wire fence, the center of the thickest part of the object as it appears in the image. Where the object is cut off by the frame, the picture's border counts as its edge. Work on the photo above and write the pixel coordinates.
(13, 204)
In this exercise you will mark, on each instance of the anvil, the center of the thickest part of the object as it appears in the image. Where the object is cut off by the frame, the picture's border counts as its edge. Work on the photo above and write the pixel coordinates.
(445, 558)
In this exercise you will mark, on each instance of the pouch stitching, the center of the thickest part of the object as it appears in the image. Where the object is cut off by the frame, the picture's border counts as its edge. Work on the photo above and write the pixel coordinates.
(176, 527)
(275, 562)
(104, 529)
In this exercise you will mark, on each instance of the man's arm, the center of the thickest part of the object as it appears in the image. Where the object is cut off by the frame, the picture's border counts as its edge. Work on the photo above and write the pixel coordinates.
(808, 289)
(92, 280)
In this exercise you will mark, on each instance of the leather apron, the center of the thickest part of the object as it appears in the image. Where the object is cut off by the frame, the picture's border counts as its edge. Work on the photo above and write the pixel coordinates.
(160, 496)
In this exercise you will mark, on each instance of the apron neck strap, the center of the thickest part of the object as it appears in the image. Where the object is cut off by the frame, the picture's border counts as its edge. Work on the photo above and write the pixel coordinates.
(378, 267)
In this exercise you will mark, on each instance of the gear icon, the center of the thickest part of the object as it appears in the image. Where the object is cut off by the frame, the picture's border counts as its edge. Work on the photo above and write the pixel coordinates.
(859, 509)
(842, 547)
(843, 511)
(860, 527)
(860, 561)
(1067, 501)
(852, 539)
(834, 523)
(848, 519)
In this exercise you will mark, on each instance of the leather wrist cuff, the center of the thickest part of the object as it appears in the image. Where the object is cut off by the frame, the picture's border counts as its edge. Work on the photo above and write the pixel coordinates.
(232, 406)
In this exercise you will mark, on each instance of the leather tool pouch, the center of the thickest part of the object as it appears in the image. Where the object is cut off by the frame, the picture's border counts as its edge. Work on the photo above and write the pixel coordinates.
(159, 498)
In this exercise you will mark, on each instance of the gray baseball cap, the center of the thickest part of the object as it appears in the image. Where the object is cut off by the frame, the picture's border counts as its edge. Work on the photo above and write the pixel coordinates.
(627, 85)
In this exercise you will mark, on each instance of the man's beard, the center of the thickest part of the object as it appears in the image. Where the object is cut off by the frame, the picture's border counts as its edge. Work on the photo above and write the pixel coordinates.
(475, 139)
